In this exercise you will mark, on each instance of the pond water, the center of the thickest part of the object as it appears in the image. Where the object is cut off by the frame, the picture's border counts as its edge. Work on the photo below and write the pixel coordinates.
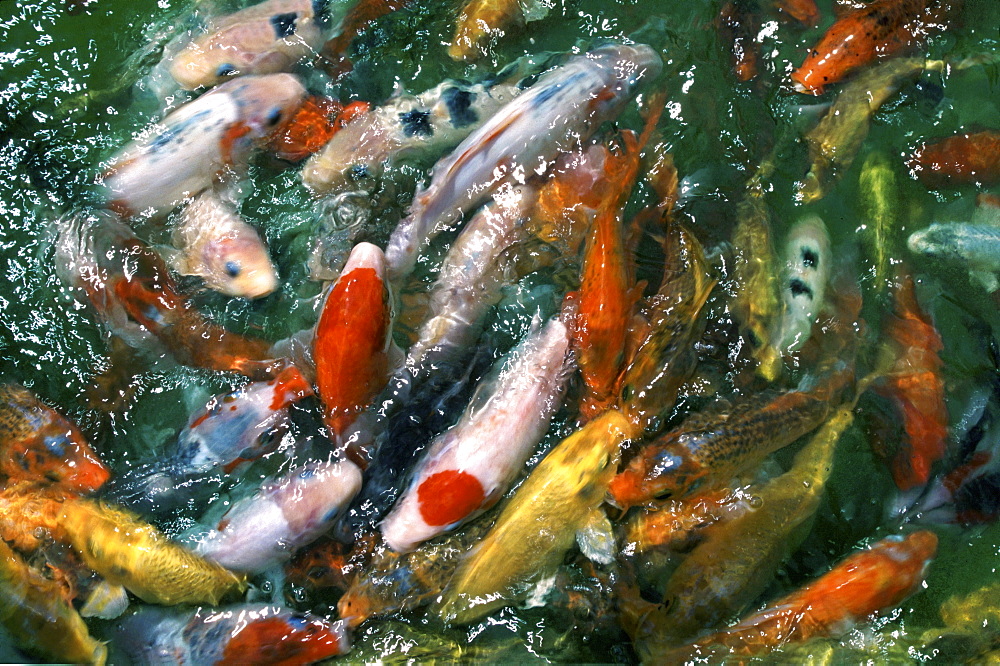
(78, 80)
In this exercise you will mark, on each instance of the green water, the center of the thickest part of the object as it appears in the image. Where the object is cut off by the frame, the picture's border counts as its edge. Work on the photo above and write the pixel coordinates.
(77, 81)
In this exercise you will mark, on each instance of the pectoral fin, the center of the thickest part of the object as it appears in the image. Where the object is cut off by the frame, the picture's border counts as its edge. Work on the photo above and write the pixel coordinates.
(596, 538)
(105, 602)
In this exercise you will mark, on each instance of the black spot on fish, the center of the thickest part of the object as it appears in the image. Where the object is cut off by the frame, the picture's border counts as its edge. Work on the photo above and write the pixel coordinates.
(809, 258)
(799, 288)
(416, 123)
(284, 24)
(232, 269)
(359, 171)
(459, 103)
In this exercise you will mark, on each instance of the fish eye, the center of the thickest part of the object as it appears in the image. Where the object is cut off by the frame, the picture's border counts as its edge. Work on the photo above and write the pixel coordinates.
(274, 117)
(225, 69)
(232, 269)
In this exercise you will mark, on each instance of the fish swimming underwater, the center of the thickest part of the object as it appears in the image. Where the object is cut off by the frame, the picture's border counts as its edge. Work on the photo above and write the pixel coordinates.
(199, 144)
(37, 443)
(231, 635)
(265, 38)
(564, 107)
(480, 21)
(877, 30)
(969, 158)
(216, 244)
(975, 247)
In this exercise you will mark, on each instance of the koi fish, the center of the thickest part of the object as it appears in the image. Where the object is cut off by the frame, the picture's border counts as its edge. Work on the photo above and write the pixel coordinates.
(720, 442)
(467, 470)
(969, 158)
(803, 11)
(415, 125)
(538, 524)
(289, 512)
(878, 578)
(877, 30)
(738, 23)
(972, 243)
(915, 386)
(564, 107)
(37, 443)
(232, 429)
(736, 559)
(136, 556)
(36, 615)
(881, 214)
(358, 18)
(312, 126)
(353, 339)
(835, 141)
(216, 244)
(479, 21)
(665, 356)
(199, 143)
(133, 293)
(803, 283)
(232, 635)
(265, 38)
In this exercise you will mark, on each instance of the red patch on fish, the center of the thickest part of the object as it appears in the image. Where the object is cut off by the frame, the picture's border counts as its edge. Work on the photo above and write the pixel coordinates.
(448, 497)
(316, 121)
(803, 11)
(963, 159)
(289, 386)
(278, 642)
(233, 133)
(875, 31)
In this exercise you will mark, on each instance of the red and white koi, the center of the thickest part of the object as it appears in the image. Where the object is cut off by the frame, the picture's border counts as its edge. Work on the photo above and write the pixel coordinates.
(287, 513)
(564, 107)
(265, 38)
(468, 468)
(196, 145)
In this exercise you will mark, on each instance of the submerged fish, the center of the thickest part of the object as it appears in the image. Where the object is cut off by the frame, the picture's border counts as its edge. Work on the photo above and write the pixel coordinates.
(803, 11)
(479, 21)
(37, 443)
(736, 558)
(564, 107)
(233, 428)
(133, 293)
(976, 247)
(873, 580)
(265, 38)
(266, 528)
(539, 523)
(36, 615)
(835, 141)
(231, 635)
(353, 339)
(216, 244)
(469, 468)
(881, 214)
(738, 24)
(359, 17)
(879, 29)
(198, 144)
(407, 125)
(135, 555)
(969, 158)
(712, 446)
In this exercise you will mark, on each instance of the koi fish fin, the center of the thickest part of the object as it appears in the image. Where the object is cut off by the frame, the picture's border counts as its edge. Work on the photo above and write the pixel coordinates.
(596, 538)
(106, 601)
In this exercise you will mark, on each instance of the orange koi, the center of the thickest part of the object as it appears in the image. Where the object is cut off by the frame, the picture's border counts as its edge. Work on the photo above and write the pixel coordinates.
(865, 583)
(914, 384)
(968, 158)
(803, 11)
(352, 339)
(37, 443)
(312, 125)
(478, 21)
(676, 523)
(357, 20)
(738, 23)
(876, 31)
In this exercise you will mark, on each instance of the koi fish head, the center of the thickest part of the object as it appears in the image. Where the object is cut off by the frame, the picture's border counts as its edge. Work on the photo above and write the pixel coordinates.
(287, 638)
(265, 102)
(656, 473)
(239, 265)
(312, 126)
(631, 66)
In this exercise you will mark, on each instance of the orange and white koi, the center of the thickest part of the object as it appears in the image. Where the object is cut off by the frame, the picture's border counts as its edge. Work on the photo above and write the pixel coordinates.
(265, 38)
(468, 468)
(218, 245)
(877, 30)
(353, 339)
(231, 635)
(199, 144)
(312, 126)
(39, 444)
(285, 514)
(564, 107)
(868, 582)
